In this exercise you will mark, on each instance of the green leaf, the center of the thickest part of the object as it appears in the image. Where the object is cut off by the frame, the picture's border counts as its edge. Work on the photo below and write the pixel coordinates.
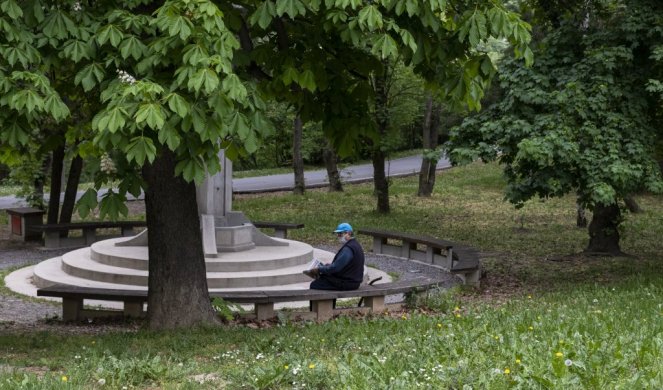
(234, 88)
(307, 80)
(139, 149)
(89, 76)
(289, 75)
(264, 14)
(238, 125)
(76, 50)
(113, 205)
(152, 113)
(408, 40)
(12, 9)
(27, 99)
(191, 169)
(56, 107)
(384, 46)
(178, 104)
(133, 47)
(169, 136)
(87, 202)
(370, 16)
(290, 7)
(110, 32)
(111, 119)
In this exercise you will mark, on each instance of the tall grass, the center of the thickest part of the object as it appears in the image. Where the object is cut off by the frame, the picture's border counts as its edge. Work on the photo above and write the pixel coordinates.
(600, 326)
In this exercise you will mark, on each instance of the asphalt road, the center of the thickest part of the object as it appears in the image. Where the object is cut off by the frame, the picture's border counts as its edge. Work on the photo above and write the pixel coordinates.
(399, 167)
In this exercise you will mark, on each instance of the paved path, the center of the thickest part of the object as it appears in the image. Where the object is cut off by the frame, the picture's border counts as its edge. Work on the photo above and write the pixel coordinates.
(399, 167)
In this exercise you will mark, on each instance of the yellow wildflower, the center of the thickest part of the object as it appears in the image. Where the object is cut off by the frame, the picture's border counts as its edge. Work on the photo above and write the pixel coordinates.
(517, 361)
(311, 366)
(559, 354)
(507, 371)
(286, 366)
(64, 378)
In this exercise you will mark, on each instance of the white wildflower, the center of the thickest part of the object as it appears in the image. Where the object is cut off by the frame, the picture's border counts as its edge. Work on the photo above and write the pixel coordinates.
(568, 362)
(125, 77)
(101, 382)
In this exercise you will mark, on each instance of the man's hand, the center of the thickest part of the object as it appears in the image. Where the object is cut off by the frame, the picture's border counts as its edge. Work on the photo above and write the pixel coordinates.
(313, 273)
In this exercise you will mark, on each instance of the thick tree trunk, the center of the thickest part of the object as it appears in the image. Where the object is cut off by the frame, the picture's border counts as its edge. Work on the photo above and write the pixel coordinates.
(631, 204)
(430, 133)
(57, 164)
(73, 179)
(297, 160)
(603, 230)
(380, 182)
(178, 296)
(329, 155)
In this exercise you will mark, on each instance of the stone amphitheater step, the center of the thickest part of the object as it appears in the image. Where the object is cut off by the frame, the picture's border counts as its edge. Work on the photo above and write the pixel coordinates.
(259, 258)
(49, 272)
(78, 265)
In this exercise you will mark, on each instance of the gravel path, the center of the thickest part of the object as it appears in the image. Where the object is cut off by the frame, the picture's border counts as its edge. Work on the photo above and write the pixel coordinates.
(22, 312)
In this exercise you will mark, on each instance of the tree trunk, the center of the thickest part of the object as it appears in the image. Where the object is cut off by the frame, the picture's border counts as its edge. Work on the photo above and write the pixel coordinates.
(603, 230)
(380, 183)
(581, 218)
(73, 179)
(57, 164)
(632, 205)
(178, 296)
(329, 155)
(430, 133)
(297, 160)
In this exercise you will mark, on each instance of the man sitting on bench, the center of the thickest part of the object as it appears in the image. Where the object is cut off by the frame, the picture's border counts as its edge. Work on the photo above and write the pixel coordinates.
(346, 271)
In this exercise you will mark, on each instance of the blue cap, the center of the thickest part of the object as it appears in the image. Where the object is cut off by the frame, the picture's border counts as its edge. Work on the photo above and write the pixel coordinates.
(343, 227)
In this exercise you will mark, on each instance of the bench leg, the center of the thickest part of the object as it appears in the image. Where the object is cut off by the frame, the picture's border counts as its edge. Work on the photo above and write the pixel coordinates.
(133, 309)
(281, 233)
(71, 308)
(52, 239)
(472, 278)
(375, 303)
(324, 309)
(377, 244)
(127, 231)
(90, 236)
(264, 311)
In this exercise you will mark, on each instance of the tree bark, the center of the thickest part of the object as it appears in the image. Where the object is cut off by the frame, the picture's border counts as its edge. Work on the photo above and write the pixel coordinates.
(330, 157)
(297, 160)
(178, 296)
(73, 179)
(632, 205)
(380, 183)
(430, 133)
(57, 164)
(603, 230)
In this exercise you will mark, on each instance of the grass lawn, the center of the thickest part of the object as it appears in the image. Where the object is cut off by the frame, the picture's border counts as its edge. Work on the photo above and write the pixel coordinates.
(545, 317)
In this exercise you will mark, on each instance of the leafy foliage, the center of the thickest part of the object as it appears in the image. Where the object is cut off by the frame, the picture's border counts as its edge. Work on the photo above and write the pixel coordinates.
(580, 119)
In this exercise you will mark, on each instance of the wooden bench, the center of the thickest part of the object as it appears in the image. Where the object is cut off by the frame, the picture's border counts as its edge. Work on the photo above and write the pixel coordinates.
(321, 300)
(280, 229)
(457, 259)
(52, 238)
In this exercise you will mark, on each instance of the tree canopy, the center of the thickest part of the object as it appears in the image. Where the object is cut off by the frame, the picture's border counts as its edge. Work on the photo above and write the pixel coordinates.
(171, 82)
(581, 119)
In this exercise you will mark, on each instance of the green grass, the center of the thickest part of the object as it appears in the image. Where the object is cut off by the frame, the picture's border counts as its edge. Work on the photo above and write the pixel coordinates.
(572, 323)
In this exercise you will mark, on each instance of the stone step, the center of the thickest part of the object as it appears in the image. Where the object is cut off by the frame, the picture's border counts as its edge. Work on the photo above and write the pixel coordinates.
(49, 272)
(257, 259)
(77, 263)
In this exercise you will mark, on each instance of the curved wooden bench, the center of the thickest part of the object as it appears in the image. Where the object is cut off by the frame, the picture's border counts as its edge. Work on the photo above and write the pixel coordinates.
(280, 228)
(52, 232)
(457, 259)
(321, 300)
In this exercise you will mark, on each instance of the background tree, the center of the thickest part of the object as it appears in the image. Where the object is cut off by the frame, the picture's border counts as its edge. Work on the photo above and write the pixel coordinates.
(580, 120)
(178, 80)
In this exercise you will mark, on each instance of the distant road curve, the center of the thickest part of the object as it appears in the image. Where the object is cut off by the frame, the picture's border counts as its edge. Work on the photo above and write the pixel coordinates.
(399, 167)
